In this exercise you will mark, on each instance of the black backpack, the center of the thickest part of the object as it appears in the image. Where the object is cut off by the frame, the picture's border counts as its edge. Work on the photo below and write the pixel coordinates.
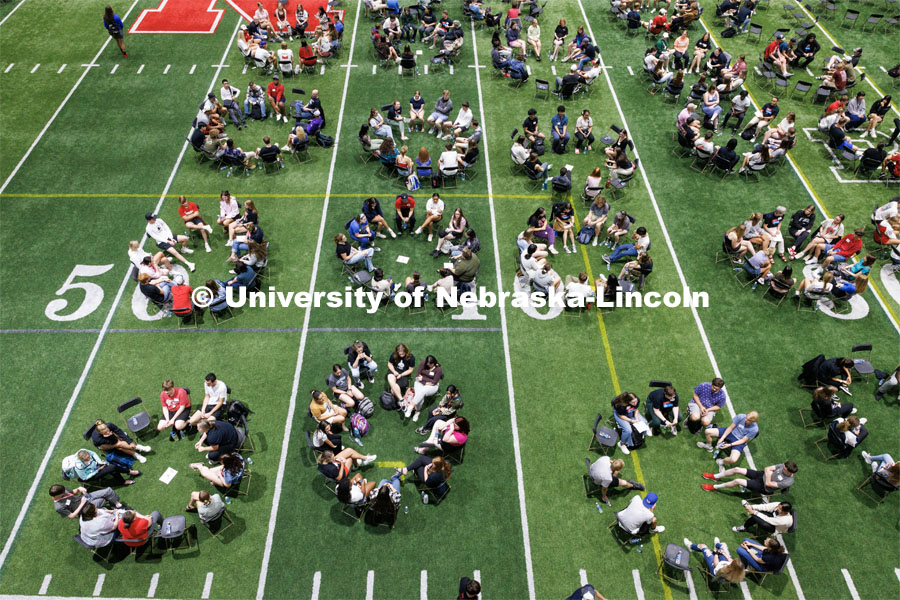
(323, 140)
(729, 32)
(388, 401)
(538, 147)
(236, 411)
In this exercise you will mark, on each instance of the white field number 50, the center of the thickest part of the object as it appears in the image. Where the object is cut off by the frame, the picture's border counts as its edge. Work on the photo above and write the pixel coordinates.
(93, 294)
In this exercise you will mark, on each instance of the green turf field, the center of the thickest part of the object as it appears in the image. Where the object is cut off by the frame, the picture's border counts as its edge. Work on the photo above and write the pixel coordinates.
(91, 141)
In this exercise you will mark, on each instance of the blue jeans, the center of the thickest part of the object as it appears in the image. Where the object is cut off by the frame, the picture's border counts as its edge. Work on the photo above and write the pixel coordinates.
(583, 62)
(625, 427)
(369, 364)
(879, 460)
(384, 131)
(623, 250)
(239, 247)
(394, 481)
(262, 108)
(707, 554)
(362, 255)
(855, 120)
(556, 137)
(749, 560)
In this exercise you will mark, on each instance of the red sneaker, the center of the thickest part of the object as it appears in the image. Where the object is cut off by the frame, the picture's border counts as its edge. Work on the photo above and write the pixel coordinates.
(708, 487)
(709, 476)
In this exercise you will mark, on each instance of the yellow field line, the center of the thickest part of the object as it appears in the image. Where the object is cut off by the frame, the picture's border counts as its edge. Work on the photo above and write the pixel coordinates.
(810, 187)
(638, 473)
(359, 195)
(395, 464)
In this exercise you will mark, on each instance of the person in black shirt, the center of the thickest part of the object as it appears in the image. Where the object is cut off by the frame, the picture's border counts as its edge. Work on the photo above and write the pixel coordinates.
(401, 365)
(468, 588)
(800, 226)
(662, 408)
(566, 85)
(726, 158)
(270, 152)
(530, 126)
(468, 159)
(806, 51)
(220, 436)
(836, 372)
(873, 157)
(109, 439)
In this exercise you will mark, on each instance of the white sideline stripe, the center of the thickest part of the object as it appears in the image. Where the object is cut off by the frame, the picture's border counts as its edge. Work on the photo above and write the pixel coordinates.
(321, 71)
(140, 68)
(103, 330)
(44, 130)
(45, 584)
(317, 583)
(90, 64)
(423, 585)
(374, 68)
(10, 13)
(477, 576)
(114, 69)
(244, 71)
(665, 232)
(853, 593)
(582, 574)
(451, 69)
(630, 72)
(9, 67)
(98, 587)
(207, 585)
(426, 68)
(154, 581)
(520, 479)
(810, 72)
(553, 70)
(370, 585)
(745, 589)
(835, 43)
(35, 67)
(636, 575)
(193, 68)
(897, 573)
(166, 70)
(882, 68)
(292, 404)
(64, 65)
(692, 591)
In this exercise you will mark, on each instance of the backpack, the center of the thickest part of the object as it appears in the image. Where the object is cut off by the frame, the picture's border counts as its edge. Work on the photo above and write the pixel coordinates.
(256, 111)
(586, 234)
(68, 467)
(235, 411)
(359, 425)
(729, 32)
(365, 408)
(538, 147)
(388, 402)
(436, 181)
(323, 140)
(120, 459)
(412, 182)
(748, 135)
(637, 438)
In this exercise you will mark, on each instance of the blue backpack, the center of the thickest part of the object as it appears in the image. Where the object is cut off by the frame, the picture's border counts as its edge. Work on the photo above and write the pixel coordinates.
(586, 234)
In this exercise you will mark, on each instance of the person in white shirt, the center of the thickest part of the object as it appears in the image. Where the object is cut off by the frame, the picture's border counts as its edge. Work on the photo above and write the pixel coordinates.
(215, 392)
(605, 473)
(166, 240)
(434, 212)
(449, 161)
(519, 152)
(856, 110)
(591, 74)
(584, 127)
(262, 56)
(136, 255)
(462, 122)
(229, 96)
(637, 518)
(579, 293)
(706, 144)
(229, 210)
(886, 212)
(392, 28)
(285, 57)
(545, 278)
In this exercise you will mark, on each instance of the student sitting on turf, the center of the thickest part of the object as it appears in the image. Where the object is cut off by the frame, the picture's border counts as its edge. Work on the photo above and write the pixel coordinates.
(765, 483)
(769, 556)
(604, 472)
(229, 472)
(719, 562)
(733, 438)
(344, 391)
(321, 409)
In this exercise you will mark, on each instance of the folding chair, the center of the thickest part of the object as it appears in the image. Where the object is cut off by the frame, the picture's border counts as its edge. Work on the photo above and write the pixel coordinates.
(874, 20)
(777, 292)
(215, 314)
(316, 453)
(272, 167)
(810, 418)
(246, 444)
(456, 454)
(802, 88)
(603, 438)
(355, 511)
(714, 584)
(590, 488)
(833, 439)
(623, 537)
(215, 526)
(137, 422)
(542, 87)
(434, 495)
(187, 318)
(863, 366)
(96, 552)
(240, 488)
(755, 30)
(174, 529)
(676, 560)
(850, 19)
(761, 575)
(878, 483)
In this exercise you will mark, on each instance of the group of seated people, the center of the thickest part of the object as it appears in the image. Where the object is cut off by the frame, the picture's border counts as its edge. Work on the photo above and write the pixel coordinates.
(409, 387)
(322, 41)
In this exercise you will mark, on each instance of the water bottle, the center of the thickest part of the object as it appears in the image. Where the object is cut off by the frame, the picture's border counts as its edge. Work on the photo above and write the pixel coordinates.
(641, 548)
(599, 508)
(168, 528)
(678, 558)
(249, 460)
(227, 500)
(635, 540)
(358, 441)
(603, 434)
(405, 510)
(424, 498)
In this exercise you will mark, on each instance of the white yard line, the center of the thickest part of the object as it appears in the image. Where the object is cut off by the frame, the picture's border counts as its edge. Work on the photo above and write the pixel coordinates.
(582, 574)
(140, 69)
(47, 127)
(114, 69)
(45, 584)
(10, 66)
(423, 585)
(10, 13)
(477, 576)
(207, 585)
(370, 585)
(292, 404)
(853, 593)
(317, 584)
(154, 581)
(62, 68)
(193, 68)
(98, 587)
(166, 70)
(520, 479)
(692, 592)
(635, 574)
(35, 68)
(103, 331)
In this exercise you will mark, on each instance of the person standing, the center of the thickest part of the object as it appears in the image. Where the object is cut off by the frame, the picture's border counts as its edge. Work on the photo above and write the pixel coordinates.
(116, 28)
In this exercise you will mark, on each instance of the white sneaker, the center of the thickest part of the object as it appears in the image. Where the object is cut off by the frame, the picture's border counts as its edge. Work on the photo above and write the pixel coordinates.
(687, 543)
(186, 250)
(140, 458)
(658, 529)
(594, 243)
(369, 460)
(232, 272)
(142, 448)
(705, 446)
(867, 457)
(650, 433)
(191, 266)
(744, 503)
(674, 429)
(393, 235)
(408, 411)
(863, 421)
(208, 249)
(553, 250)
(430, 236)
(415, 417)
(229, 243)
(624, 448)
(716, 542)
(207, 228)
(854, 411)
(380, 235)
(431, 131)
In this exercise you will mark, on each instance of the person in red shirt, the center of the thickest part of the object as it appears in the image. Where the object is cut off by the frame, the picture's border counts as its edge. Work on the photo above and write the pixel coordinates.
(406, 213)
(658, 23)
(306, 55)
(182, 304)
(849, 245)
(190, 214)
(837, 79)
(838, 105)
(176, 409)
(135, 527)
(275, 95)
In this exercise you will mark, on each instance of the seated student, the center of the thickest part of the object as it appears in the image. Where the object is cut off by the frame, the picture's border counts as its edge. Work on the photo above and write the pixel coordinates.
(360, 232)
(69, 503)
(243, 276)
(98, 525)
(662, 408)
(214, 395)
(135, 529)
(270, 153)
(432, 472)
(545, 278)
(734, 243)
(86, 465)
(708, 399)
(578, 290)
(158, 293)
(321, 409)
(434, 213)
(836, 372)
(765, 483)
(760, 266)
(815, 288)
(782, 282)
(228, 472)
(255, 97)
(641, 244)
(719, 561)
(759, 156)
(344, 391)
(800, 228)
(401, 365)
(208, 507)
(354, 490)
(733, 438)
(108, 438)
(892, 380)
(337, 466)
(876, 115)
(857, 269)
(445, 410)
(324, 438)
(220, 438)
(383, 285)
(471, 243)
(850, 430)
(769, 556)
(637, 518)
(360, 357)
(629, 419)
(176, 409)
(634, 270)
(428, 377)
(838, 138)
(446, 435)
(604, 472)
(462, 274)
(840, 251)
(884, 467)
(560, 130)
(350, 255)
(385, 499)
(825, 403)
(771, 517)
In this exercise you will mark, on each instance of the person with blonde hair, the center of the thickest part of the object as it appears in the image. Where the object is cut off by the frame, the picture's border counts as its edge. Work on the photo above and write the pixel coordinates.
(136, 255)
(605, 473)
(733, 438)
(719, 561)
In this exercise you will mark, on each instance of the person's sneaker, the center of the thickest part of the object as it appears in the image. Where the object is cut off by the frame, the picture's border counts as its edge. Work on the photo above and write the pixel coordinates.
(594, 243)
(435, 253)
(650, 433)
(172, 436)
(577, 151)
(232, 272)
(191, 267)
(863, 421)
(717, 543)
(705, 446)
(369, 460)
(430, 237)
(140, 458)
(566, 249)
(738, 528)
(708, 487)
(208, 228)
(415, 416)
(854, 411)
(638, 486)
(431, 131)
(624, 448)
(553, 250)
(371, 378)
(846, 390)
(360, 384)
(142, 448)
(393, 235)
(720, 462)
(186, 250)
(380, 235)
(709, 476)
(376, 249)
(791, 252)
(422, 431)
(674, 429)
(687, 543)
(181, 434)
(589, 148)
(208, 249)
(658, 529)
(606, 259)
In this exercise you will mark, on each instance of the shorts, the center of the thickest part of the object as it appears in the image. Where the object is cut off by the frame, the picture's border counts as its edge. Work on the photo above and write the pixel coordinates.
(694, 410)
(117, 36)
(730, 440)
(278, 100)
(756, 482)
(838, 258)
(828, 247)
(196, 221)
(184, 416)
(438, 117)
(164, 245)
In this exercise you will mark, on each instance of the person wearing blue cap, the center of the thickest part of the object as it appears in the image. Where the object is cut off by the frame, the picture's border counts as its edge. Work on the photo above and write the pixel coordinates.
(638, 518)
(586, 592)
